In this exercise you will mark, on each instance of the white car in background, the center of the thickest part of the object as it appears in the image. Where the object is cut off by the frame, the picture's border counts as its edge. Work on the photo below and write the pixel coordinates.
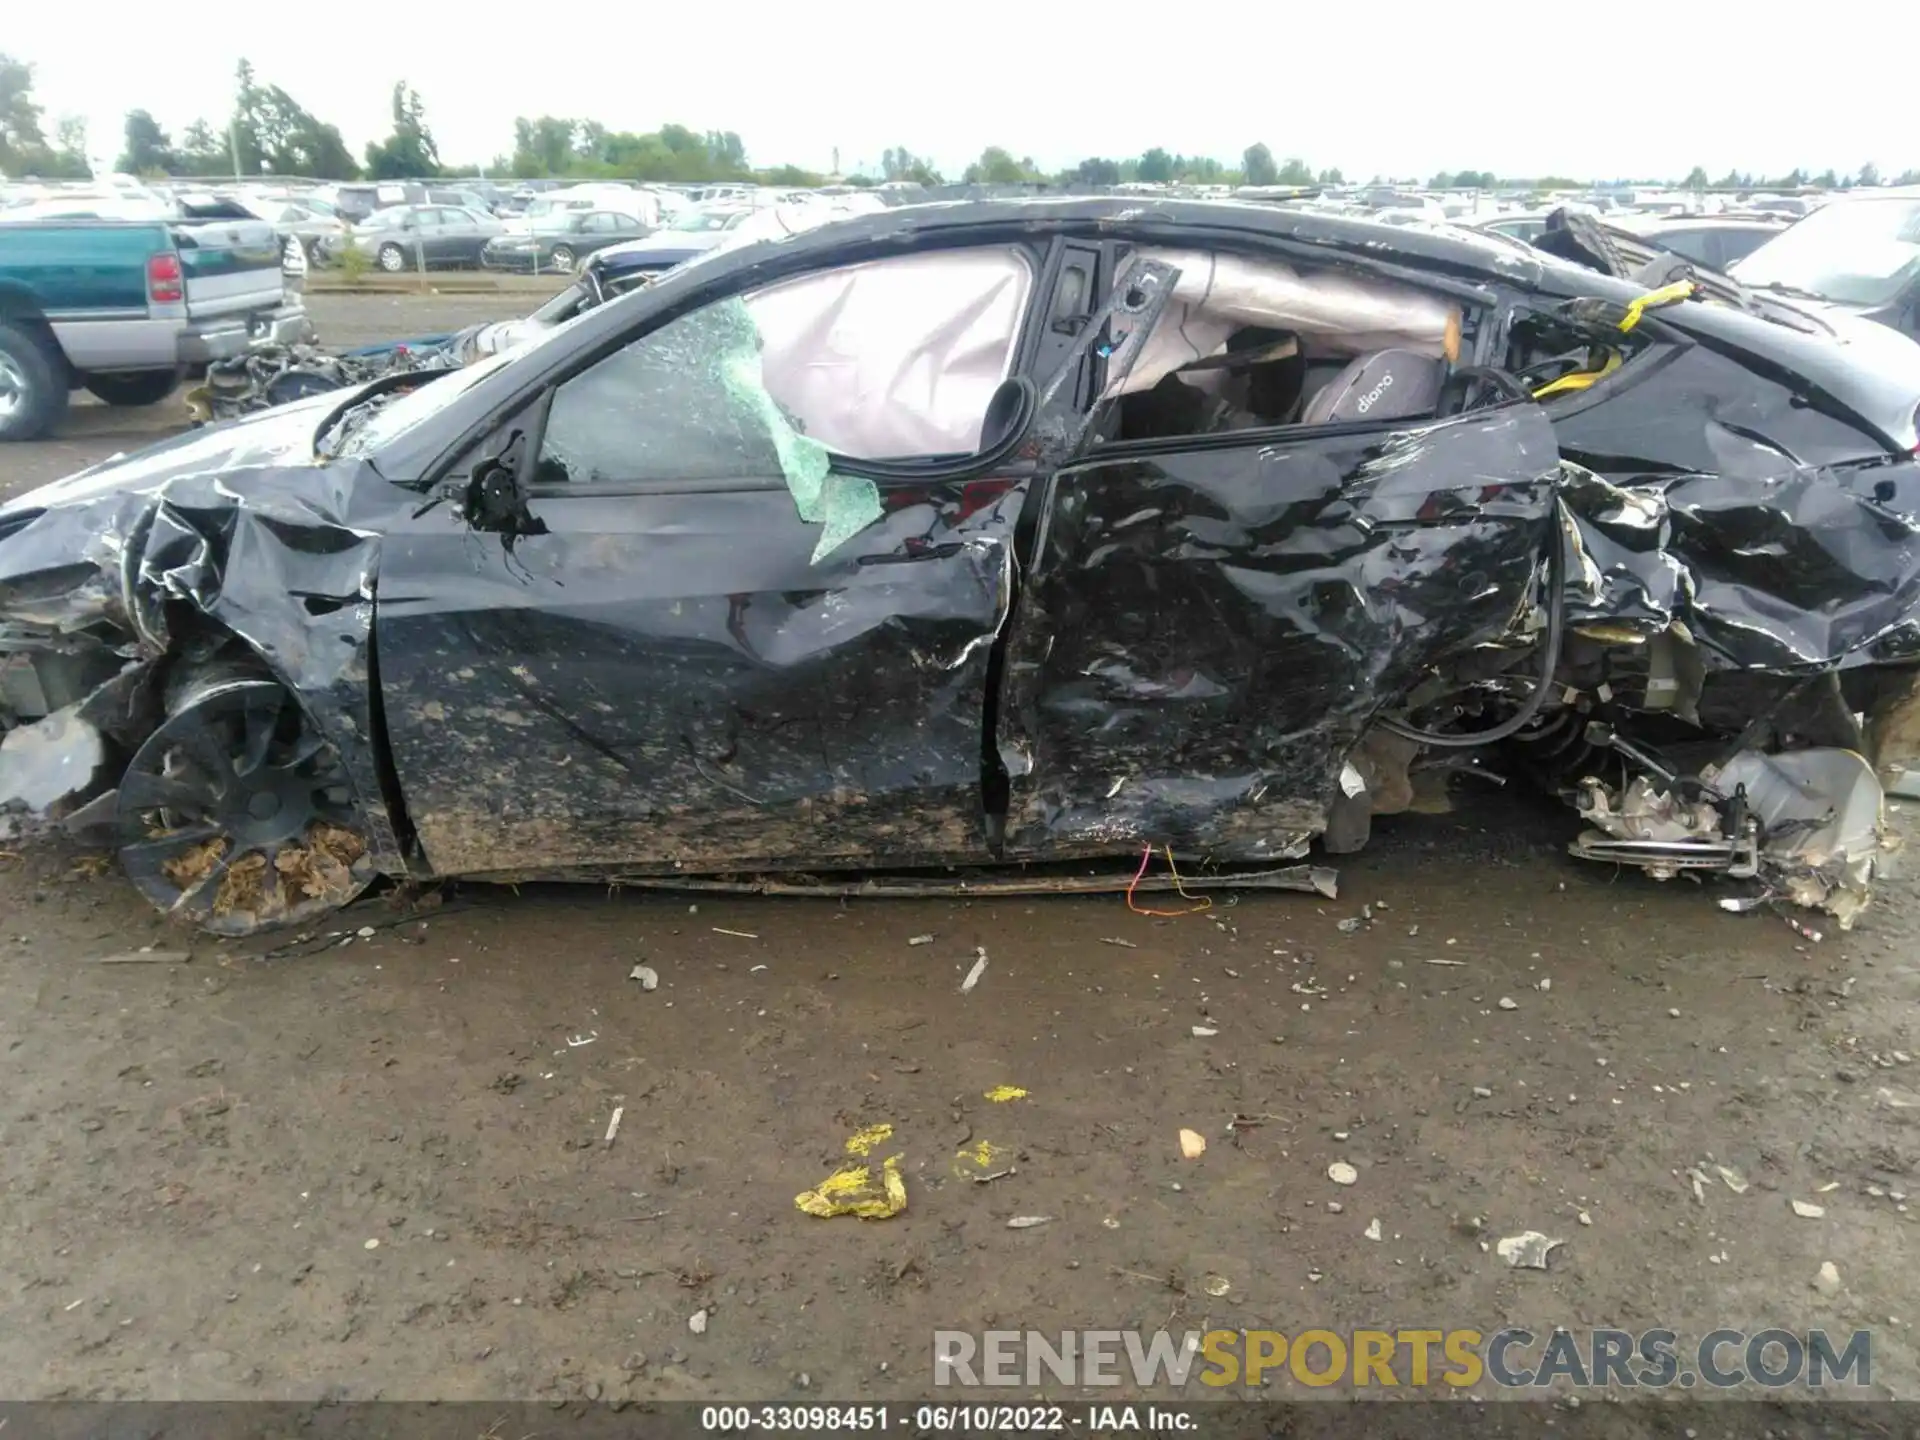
(1860, 253)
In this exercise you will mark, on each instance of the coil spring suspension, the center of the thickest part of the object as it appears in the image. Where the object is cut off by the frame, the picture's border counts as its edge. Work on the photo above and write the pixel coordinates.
(1556, 746)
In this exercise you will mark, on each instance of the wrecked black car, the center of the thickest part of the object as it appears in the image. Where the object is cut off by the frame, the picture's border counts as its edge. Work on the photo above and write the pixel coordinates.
(997, 534)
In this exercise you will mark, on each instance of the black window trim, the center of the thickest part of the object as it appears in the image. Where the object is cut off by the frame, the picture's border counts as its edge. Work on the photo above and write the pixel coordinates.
(886, 474)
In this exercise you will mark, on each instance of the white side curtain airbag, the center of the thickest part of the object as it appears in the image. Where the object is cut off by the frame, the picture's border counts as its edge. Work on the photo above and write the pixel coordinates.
(1335, 314)
(894, 357)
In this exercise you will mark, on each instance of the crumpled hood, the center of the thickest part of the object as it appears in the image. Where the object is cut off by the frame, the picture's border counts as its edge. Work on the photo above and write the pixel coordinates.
(281, 437)
(173, 513)
(666, 242)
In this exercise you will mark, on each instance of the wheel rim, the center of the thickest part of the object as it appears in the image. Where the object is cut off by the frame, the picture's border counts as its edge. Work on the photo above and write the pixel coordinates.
(392, 259)
(13, 386)
(563, 259)
(238, 815)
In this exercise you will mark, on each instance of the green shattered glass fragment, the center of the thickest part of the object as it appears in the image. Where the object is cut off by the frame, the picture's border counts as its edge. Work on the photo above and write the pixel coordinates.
(843, 504)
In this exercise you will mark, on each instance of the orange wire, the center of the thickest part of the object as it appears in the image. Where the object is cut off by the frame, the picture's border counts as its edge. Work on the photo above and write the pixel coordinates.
(1146, 858)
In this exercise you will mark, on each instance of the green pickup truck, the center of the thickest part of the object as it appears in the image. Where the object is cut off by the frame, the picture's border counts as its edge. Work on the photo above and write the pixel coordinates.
(125, 308)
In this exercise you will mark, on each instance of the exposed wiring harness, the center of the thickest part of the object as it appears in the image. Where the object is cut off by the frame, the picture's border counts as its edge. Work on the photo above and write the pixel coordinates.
(1556, 552)
(1549, 662)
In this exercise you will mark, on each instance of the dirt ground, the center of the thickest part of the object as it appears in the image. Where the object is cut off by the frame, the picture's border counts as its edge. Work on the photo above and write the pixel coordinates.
(379, 1169)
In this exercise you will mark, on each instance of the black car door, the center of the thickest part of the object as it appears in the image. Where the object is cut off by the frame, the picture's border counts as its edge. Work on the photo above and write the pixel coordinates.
(1207, 623)
(686, 643)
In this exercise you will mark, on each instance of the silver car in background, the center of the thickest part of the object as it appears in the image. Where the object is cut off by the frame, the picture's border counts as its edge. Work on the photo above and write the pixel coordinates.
(417, 237)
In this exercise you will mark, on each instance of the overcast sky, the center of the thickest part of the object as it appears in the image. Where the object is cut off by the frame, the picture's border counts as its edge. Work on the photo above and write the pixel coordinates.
(1387, 87)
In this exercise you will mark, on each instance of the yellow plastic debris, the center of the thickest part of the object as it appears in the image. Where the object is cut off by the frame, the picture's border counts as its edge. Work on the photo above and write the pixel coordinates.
(1666, 295)
(862, 1141)
(1001, 1094)
(853, 1191)
(1192, 1144)
(980, 1159)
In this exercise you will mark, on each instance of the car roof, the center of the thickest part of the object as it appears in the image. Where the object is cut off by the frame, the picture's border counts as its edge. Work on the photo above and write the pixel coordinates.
(1461, 251)
(1887, 192)
(1654, 224)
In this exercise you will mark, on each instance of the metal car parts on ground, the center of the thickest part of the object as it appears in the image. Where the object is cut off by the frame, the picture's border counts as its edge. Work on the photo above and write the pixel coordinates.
(1001, 534)
(276, 375)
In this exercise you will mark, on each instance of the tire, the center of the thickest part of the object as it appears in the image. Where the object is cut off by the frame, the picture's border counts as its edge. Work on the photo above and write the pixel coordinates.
(562, 259)
(137, 387)
(237, 814)
(33, 392)
(392, 258)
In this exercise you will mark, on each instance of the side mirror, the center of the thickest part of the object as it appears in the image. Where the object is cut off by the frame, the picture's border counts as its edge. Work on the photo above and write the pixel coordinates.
(489, 499)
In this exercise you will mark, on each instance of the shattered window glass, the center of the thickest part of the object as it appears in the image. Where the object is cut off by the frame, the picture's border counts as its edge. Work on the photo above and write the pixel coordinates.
(689, 402)
(662, 409)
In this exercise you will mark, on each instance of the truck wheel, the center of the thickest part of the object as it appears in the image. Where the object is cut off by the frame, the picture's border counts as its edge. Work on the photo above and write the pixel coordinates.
(33, 393)
(134, 387)
(392, 258)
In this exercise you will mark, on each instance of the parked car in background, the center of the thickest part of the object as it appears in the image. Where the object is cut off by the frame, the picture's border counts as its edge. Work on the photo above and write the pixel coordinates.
(490, 197)
(1715, 241)
(415, 237)
(1860, 253)
(300, 227)
(1793, 207)
(1527, 225)
(123, 308)
(462, 196)
(354, 203)
(691, 235)
(642, 205)
(561, 240)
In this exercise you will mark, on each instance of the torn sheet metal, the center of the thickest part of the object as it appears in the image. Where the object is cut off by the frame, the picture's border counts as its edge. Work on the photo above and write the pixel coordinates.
(1205, 633)
(1810, 567)
(669, 683)
(227, 531)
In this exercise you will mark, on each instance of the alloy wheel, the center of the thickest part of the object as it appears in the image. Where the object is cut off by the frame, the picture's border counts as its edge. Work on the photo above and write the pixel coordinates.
(238, 814)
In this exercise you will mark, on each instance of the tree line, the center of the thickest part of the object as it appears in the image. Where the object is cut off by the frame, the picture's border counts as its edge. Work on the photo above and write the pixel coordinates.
(269, 131)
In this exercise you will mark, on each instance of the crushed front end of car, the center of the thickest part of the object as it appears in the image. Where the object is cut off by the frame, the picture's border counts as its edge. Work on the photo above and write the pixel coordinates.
(1733, 674)
(71, 675)
(183, 673)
